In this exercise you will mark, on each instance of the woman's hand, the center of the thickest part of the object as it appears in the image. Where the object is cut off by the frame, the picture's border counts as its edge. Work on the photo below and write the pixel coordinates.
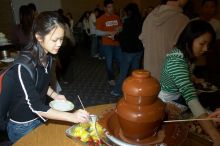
(215, 115)
(80, 116)
(111, 35)
(59, 97)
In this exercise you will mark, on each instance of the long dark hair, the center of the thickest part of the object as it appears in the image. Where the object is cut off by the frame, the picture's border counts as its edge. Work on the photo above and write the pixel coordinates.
(43, 24)
(32, 6)
(133, 13)
(193, 30)
(26, 19)
(132, 10)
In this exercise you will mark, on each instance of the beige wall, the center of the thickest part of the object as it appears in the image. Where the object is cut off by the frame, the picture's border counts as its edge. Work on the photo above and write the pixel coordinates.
(78, 7)
(42, 5)
(146, 4)
(6, 16)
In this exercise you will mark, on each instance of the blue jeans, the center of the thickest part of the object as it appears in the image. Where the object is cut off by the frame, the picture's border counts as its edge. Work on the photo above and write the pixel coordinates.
(94, 45)
(101, 53)
(111, 53)
(18, 130)
(129, 61)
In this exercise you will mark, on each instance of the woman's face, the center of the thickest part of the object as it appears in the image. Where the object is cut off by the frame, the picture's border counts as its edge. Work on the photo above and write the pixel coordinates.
(201, 44)
(109, 9)
(52, 42)
(209, 9)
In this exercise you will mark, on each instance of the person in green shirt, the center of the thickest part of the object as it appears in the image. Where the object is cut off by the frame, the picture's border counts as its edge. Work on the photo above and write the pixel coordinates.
(176, 78)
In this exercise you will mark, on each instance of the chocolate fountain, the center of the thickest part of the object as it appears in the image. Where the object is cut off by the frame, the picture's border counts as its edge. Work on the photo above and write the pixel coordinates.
(138, 116)
(140, 111)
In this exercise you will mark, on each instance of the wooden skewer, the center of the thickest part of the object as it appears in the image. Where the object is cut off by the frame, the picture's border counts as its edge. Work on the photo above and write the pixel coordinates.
(188, 120)
(83, 107)
(81, 102)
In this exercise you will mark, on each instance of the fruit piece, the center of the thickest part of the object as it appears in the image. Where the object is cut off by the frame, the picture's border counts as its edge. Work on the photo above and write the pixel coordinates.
(86, 132)
(78, 131)
(84, 125)
(85, 136)
(91, 143)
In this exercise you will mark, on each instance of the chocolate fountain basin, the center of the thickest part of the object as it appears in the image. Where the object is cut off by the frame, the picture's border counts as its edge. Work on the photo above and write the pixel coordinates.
(168, 134)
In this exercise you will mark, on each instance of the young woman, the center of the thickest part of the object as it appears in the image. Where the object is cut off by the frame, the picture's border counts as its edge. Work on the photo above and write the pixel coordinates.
(28, 109)
(176, 82)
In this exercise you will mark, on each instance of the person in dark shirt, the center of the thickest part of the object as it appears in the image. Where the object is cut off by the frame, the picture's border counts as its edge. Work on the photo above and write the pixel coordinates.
(132, 48)
(27, 108)
(33, 8)
(21, 32)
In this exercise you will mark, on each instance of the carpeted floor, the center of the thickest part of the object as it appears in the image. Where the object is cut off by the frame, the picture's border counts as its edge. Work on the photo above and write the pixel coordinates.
(87, 78)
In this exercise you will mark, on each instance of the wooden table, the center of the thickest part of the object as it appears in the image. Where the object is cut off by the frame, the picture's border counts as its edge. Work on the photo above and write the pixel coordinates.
(53, 133)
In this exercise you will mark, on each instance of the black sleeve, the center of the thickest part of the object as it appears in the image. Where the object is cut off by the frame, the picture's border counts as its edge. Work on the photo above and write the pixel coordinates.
(126, 31)
(31, 94)
(128, 37)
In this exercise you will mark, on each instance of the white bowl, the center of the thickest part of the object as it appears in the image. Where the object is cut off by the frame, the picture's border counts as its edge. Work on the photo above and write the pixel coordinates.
(61, 105)
(7, 60)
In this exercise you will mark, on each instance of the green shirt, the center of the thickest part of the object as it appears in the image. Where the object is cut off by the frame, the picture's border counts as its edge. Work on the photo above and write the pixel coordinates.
(175, 76)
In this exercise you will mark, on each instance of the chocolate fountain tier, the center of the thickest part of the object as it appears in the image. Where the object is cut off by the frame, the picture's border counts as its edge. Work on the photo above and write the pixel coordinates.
(139, 122)
(168, 133)
(141, 114)
(140, 88)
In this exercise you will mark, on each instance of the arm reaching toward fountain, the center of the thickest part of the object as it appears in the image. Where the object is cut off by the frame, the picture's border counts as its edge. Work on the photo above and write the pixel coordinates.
(210, 129)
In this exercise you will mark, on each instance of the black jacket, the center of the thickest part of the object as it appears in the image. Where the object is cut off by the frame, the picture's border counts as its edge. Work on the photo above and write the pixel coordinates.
(128, 37)
(27, 97)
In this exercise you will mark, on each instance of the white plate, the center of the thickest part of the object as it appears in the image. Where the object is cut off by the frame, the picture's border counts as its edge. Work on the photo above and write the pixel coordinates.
(7, 60)
(211, 88)
(61, 105)
(5, 43)
(207, 88)
(207, 91)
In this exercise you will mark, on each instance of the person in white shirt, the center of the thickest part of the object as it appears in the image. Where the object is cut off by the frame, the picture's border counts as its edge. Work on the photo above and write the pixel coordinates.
(70, 17)
(86, 23)
(93, 36)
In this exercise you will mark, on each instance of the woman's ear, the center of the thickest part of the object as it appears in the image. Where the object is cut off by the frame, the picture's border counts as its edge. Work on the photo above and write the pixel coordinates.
(38, 37)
